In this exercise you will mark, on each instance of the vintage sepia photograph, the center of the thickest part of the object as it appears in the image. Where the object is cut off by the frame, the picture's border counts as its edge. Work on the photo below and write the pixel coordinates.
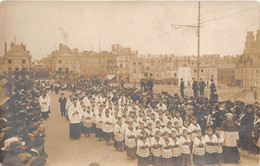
(129, 83)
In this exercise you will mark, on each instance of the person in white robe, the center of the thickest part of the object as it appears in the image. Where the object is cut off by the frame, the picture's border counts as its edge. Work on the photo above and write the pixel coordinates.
(75, 114)
(45, 106)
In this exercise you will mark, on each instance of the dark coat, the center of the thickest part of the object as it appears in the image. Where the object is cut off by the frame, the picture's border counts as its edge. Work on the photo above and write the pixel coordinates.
(182, 85)
(202, 85)
(213, 88)
(62, 103)
(195, 85)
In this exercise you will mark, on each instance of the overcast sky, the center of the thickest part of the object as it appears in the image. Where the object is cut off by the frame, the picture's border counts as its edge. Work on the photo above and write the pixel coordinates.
(143, 26)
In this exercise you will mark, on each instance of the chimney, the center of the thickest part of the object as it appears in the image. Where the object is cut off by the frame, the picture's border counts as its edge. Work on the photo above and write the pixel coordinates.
(76, 51)
(23, 46)
(5, 47)
(12, 44)
(113, 47)
(60, 46)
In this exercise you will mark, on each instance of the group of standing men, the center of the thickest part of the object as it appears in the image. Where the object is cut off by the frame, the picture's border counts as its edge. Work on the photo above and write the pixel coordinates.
(199, 87)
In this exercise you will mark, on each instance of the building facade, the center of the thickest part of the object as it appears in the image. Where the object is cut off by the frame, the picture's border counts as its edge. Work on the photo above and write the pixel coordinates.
(207, 72)
(123, 56)
(185, 74)
(248, 66)
(17, 60)
(136, 69)
(226, 75)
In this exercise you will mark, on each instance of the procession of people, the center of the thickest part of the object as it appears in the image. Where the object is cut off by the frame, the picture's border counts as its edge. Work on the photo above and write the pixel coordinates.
(163, 129)
(157, 129)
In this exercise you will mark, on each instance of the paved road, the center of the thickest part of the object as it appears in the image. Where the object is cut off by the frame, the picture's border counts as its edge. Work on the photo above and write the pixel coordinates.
(64, 152)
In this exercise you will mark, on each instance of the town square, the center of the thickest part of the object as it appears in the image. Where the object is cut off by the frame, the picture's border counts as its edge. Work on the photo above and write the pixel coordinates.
(129, 83)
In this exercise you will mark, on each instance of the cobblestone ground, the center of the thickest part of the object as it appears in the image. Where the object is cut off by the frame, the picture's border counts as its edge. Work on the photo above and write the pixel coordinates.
(64, 152)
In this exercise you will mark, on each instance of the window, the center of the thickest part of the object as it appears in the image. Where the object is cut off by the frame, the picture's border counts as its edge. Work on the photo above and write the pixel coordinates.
(16, 69)
(148, 68)
(151, 74)
(9, 61)
(67, 70)
(145, 74)
(140, 63)
(23, 61)
(134, 70)
(121, 65)
(60, 61)
(195, 71)
(60, 69)
(175, 74)
(9, 69)
(202, 71)
(134, 63)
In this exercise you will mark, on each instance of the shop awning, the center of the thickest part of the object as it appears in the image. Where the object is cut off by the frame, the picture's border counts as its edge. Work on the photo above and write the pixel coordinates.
(110, 77)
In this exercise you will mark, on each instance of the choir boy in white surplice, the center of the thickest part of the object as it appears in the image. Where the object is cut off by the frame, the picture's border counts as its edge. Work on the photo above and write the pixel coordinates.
(107, 127)
(87, 121)
(156, 148)
(119, 132)
(75, 114)
(45, 105)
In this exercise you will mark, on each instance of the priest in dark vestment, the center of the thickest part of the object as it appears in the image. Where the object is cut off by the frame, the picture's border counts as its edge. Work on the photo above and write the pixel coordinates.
(230, 132)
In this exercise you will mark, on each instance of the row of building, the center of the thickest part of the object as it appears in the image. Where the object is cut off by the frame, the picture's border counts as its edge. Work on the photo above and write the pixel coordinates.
(122, 63)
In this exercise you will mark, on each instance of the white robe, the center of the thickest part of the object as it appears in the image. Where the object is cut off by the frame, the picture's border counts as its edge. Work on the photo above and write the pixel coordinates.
(44, 103)
(76, 118)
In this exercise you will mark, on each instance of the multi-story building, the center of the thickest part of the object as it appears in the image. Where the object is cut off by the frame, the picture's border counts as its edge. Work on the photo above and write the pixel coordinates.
(185, 74)
(72, 63)
(16, 60)
(248, 66)
(136, 69)
(162, 69)
(226, 75)
(65, 62)
(90, 63)
(207, 72)
(110, 63)
(123, 56)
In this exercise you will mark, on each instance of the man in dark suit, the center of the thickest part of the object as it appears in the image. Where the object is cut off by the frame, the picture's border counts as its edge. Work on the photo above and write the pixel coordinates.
(195, 88)
(202, 85)
(142, 84)
(62, 101)
(182, 87)
(212, 89)
(150, 85)
(122, 83)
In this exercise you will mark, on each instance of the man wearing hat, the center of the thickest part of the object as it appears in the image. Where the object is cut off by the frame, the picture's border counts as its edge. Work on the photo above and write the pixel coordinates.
(202, 85)
(247, 124)
(195, 88)
(75, 114)
(212, 89)
(182, 87)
